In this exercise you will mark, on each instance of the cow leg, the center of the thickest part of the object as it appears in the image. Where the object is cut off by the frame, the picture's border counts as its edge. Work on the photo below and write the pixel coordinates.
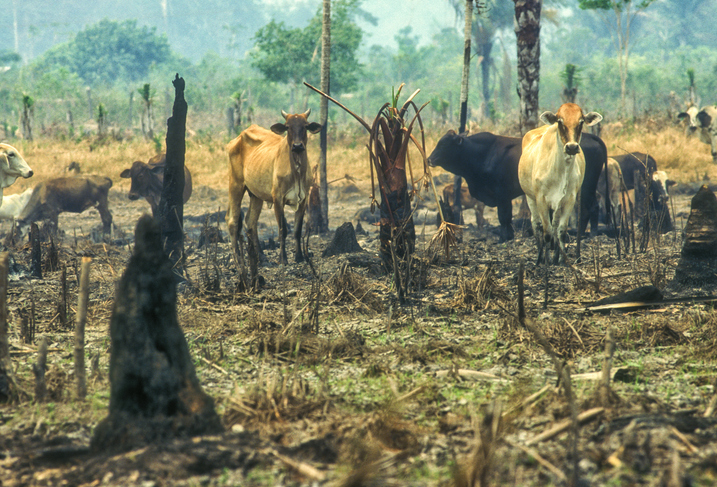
(505, 217)
(561, 218)
(234, 222)
(298, 224)
(537, 225)
(105, 215)
(281, 222)
(252, 233)
(480, 220)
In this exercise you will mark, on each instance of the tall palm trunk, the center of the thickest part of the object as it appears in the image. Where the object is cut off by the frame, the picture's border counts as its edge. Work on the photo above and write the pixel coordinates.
(527, 31)
(456, 204)
(324, 114)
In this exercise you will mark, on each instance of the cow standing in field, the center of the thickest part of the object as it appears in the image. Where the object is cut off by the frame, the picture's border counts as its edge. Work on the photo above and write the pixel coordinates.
(707, 123)
(68, 194)
(489, 164)
(147, 179)
(12, 166)
(272, 168)
(689, 117)
(551, 171)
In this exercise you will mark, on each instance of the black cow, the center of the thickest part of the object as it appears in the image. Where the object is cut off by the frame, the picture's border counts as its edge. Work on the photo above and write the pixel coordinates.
(646, 168)
(489, 164)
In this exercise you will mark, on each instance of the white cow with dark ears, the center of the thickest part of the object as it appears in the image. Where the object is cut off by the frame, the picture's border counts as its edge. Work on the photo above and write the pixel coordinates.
(12, 166)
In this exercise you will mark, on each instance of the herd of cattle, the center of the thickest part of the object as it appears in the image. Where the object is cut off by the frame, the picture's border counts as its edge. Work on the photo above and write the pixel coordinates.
(552, 166)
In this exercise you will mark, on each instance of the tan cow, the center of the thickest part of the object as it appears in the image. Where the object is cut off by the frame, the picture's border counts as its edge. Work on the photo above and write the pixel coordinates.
(12, 166)
(615, 184)
(272, 168)
(467, 201)
(551, 170)
(69, 194)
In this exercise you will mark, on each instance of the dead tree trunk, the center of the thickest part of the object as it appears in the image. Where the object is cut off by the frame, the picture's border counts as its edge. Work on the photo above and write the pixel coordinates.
(171, 205)
(5, 364)
(155, 394)
(82, 301)
(527, 31)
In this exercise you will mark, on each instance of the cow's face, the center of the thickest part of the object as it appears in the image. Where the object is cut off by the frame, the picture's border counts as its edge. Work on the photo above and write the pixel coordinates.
(144, 179)
(707, 120)
(295, 128)
(690, 118)
(660, 187)
(447, 150)
(570, 120)
(12, 166)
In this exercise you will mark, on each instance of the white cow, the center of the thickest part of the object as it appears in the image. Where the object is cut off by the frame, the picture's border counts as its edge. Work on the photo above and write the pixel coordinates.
(12, 166)
(707, 124)
(691, 122)
(13, 204)
(551, 171)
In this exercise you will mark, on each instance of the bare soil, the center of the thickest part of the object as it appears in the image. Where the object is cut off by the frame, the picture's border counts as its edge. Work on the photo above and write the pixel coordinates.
(330, 381)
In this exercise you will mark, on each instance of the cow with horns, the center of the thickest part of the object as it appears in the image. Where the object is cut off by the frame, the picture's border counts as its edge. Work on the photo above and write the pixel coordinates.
(551, 171)
(271, 167)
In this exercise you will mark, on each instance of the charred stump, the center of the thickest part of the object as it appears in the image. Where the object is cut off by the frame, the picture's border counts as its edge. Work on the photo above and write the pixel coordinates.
(171, 204)
(344, 241)
(154, 391)
(698, 262)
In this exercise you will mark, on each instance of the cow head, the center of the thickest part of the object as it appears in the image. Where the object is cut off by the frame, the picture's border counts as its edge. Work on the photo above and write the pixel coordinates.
(570, 120)
(690, 115)
(707, 120)
(145, 179)
(12, 166)
(660, 187)
(295, 128)
(447, 150)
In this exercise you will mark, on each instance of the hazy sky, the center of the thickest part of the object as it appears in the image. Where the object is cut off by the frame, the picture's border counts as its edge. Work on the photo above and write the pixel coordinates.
(427, 17)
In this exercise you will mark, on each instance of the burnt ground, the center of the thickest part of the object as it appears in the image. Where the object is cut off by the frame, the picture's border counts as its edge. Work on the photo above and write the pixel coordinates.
(446, 386)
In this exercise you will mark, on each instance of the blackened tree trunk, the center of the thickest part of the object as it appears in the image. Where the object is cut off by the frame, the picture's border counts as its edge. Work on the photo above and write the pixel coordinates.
(171, 204)
(527, 31)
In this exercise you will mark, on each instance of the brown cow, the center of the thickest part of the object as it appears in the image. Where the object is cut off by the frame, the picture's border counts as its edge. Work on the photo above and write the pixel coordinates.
(147, 179)
(69, 194)
(274, 169)
(467, 201)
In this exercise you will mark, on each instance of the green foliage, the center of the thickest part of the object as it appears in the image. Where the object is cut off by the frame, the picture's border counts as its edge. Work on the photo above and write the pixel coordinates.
(618, 5)
(108, 51)
(287, 55)
(571, 76)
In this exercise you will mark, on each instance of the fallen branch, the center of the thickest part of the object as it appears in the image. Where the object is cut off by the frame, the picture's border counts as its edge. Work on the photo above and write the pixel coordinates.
(469, 374)
(564, 425)
(553, 469)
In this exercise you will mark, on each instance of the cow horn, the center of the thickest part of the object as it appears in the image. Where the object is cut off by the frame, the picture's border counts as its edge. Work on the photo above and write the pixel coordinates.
(284, 114)
(307, 113)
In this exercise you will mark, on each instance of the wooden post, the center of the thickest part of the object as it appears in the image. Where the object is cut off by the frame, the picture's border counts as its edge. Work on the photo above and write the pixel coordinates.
(36, 252)
(5, 365)
(39, 370)
(82, 301)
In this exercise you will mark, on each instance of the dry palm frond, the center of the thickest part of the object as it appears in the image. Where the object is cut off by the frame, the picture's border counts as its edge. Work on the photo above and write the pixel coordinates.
(349, 287)
(476, 293)
(446, 237)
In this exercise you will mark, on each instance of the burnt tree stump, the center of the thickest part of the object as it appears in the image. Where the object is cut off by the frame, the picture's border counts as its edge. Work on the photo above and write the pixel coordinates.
(154, 391)
(698, 262)
(171, 204)
(344, 241)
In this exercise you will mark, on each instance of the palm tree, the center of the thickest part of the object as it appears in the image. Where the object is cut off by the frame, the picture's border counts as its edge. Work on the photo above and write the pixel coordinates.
(527, 31)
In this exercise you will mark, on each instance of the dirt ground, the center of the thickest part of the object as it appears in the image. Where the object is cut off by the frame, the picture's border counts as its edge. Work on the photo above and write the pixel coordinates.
(445, 388)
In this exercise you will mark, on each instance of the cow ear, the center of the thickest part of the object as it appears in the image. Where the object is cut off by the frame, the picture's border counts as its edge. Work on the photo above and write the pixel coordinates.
(125, 174)
(158, 170)
(705, 120)
(682, 115)
(592, 118)
(314, 127)
(548, 117)
(278, 128)
(670, 182)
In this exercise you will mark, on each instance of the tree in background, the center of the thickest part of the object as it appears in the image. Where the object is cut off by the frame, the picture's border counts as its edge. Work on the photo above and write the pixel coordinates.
(527, 32)
(108, 51)
(323, 224)
(28, 110)
(147, 120)
(571, 79)
(624, 12)
(290, 55)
